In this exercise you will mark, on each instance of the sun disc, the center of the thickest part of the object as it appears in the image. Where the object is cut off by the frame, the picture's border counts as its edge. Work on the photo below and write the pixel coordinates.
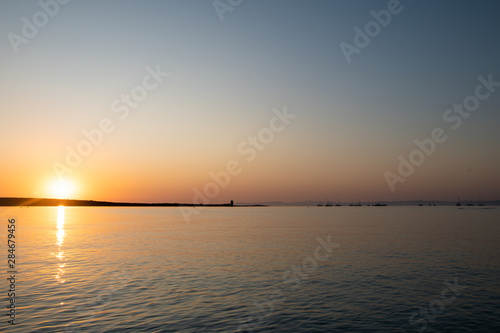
(62, 189)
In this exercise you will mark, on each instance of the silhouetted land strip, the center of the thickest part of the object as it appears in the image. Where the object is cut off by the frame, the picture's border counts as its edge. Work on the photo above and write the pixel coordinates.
(92, 203)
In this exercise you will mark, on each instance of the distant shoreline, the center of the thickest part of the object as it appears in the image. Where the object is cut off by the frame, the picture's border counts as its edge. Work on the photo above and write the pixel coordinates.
(43, 202)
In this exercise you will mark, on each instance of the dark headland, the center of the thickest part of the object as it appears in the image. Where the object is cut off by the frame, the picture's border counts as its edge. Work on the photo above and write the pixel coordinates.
(90, 203)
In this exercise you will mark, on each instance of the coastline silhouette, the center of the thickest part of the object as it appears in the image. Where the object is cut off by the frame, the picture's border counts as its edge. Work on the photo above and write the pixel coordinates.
(26, 202)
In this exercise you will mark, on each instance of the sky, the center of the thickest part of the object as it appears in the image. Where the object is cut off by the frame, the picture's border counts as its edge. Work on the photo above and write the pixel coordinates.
(251, 101)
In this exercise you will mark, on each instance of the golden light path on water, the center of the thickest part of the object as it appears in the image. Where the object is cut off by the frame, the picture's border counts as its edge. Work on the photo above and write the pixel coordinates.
(60, 241)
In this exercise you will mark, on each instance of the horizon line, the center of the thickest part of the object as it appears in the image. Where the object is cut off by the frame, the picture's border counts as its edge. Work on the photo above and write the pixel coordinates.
(33, 201)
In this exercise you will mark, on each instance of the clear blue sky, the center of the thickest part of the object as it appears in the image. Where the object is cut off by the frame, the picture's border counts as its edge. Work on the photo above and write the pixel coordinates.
(225, 78)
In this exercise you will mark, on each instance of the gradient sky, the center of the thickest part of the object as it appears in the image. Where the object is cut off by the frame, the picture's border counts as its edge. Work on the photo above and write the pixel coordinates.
(225, 79)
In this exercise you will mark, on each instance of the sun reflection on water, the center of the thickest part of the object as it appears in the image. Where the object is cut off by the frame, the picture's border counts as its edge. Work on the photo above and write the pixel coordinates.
(60, 241)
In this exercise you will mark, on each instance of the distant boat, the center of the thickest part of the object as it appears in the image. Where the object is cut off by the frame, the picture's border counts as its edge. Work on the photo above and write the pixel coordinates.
(338, 205)
(378, 204)
(319, 204)
(328, 204)
(420, 204)
(458, 203)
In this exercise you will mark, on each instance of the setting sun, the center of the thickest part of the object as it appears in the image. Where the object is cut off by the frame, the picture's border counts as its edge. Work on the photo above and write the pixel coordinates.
(62, 189)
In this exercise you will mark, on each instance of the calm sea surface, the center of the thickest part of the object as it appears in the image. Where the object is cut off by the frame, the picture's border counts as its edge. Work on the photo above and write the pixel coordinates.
(260, 269)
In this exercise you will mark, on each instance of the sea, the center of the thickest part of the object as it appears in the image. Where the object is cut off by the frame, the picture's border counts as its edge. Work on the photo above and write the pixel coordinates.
(250, 269)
